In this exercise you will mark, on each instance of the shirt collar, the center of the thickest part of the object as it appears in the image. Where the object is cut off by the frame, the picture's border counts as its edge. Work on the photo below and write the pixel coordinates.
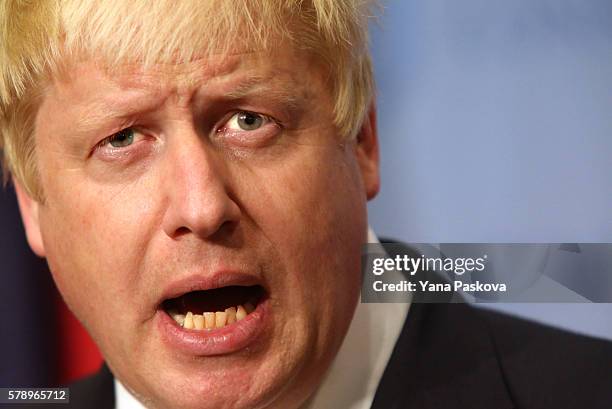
(124, 399)
(353, 377)
(349, 383)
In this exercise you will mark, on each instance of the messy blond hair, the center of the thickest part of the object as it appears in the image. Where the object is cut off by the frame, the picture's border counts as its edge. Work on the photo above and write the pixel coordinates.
(38, 36)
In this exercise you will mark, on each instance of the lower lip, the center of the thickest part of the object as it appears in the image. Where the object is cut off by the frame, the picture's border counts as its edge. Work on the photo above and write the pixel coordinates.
(218, 341)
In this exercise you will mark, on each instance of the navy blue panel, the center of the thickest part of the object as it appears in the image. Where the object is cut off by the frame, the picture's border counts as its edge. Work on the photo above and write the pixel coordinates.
(27, 340)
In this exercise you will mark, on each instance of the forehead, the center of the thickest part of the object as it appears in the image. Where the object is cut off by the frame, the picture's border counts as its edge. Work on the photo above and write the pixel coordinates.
(281, 74)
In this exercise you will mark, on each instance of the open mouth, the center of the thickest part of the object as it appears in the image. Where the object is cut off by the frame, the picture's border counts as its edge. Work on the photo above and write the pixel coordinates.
(214, 308)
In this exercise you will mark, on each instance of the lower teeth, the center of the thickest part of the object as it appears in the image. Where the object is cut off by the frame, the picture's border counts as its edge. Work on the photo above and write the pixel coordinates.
(211, 320)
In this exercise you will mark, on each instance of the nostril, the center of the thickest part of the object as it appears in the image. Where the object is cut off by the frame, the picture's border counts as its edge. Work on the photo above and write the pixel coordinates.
(181, 231)
(228, 226)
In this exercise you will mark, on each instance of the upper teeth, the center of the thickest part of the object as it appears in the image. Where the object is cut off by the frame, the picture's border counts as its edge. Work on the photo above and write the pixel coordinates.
(210, 320)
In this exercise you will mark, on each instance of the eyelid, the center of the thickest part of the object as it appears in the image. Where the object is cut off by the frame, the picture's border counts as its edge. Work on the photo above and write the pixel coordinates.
(103, 147)
(240, 138)
(268, 119)
(107, 140)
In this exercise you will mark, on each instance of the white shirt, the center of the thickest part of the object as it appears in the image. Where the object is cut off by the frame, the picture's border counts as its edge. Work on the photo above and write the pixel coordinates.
(353, 377)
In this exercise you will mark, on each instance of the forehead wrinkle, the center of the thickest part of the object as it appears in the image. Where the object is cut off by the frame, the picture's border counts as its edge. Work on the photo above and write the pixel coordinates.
(179, 81)
(94, 115)
(110, 95)
(134, 90)
(119, 106)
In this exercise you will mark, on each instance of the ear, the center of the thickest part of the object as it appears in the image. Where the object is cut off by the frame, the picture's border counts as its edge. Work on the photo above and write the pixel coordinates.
(28, 208)
(366, 151)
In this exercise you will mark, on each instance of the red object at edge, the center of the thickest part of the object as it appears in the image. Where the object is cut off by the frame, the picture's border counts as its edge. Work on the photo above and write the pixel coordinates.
(78, 355)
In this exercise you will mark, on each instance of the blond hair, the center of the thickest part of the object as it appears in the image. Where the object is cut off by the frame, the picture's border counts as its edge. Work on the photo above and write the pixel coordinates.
(38, 36)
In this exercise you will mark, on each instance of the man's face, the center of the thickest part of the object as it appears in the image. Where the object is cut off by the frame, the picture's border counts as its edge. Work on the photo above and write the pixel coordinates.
(229, 174)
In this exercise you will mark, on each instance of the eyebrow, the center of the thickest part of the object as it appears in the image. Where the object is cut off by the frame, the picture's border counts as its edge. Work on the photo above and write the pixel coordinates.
(260, 85)
(146, 100)
(99, 112)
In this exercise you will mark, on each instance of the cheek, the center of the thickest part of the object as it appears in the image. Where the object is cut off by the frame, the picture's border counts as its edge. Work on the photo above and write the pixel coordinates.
(93, 249)
(312, 211)
(311, 197)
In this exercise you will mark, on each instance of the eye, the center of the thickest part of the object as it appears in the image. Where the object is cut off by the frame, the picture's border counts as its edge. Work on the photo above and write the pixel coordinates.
(120, 143)
(247, 129)
(246, 121)
(121, 139)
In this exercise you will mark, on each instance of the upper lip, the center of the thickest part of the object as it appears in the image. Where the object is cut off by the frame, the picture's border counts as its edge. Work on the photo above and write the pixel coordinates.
(199, 282)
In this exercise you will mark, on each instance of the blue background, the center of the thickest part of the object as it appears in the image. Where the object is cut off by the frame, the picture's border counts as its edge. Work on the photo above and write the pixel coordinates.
(495, 125)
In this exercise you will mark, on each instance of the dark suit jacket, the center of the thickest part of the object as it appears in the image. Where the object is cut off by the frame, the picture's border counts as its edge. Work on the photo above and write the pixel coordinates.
(455, 356)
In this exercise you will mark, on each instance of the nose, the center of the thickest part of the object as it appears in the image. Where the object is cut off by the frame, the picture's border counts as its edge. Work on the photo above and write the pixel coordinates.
(199, 200)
